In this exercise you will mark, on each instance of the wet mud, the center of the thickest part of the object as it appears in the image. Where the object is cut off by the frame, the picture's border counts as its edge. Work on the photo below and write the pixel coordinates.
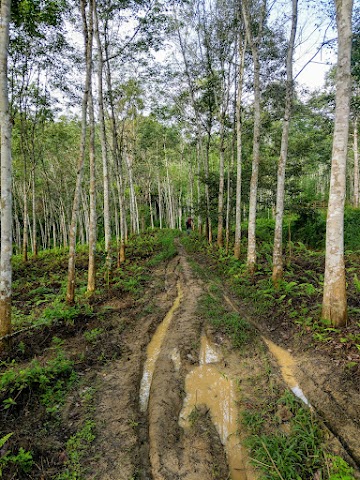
(170, 407)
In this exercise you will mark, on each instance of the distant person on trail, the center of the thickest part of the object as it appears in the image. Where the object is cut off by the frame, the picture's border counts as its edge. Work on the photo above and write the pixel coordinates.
(189, 225)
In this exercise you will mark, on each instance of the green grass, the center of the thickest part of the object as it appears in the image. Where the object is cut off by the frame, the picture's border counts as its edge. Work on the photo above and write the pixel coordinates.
(49, 382)
(296, 454)
(213, 309)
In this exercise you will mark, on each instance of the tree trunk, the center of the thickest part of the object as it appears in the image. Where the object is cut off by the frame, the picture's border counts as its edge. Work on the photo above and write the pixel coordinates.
(88, 34)
(6, 178)
(107, 226)
(133, 204)
(356, 164)
(34, 236)
(334, 306)
(171, 209)
(279, 215)
(92, 196)
(25, 222)
(150, 205)
(220, 240)
(160, 203)
(242, 50)
(207, 193)
(254, 44)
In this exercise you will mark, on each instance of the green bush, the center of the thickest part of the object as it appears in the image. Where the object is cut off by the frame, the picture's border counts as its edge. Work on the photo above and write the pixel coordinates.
(352, 230)
(310, 227)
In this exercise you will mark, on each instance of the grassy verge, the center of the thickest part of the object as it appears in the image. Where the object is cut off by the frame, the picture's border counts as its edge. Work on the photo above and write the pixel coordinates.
(295, 305)
(46, 390)
(284, 438)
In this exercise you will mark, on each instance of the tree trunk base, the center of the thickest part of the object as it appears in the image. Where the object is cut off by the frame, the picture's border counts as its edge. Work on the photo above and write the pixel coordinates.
(5, 321)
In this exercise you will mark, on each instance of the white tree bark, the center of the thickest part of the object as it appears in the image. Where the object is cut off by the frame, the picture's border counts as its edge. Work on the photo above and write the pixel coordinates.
(160, 203)
(25, 222)
(254, 42)
(356, 164)
(6, 177)
(280, 194)
(88, 40)
(106, 205)
(34, 236)
(242, 50)
(334, 306)
(92, 200)
(135, 227)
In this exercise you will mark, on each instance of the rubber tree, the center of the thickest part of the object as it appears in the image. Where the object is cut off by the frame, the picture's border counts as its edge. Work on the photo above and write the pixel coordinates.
(280, 194)
(334, 307)
(238, 108)
(6, 177)
(355, 72)
(103, 140)
(92, 199)
(88, 43)
(254, 35)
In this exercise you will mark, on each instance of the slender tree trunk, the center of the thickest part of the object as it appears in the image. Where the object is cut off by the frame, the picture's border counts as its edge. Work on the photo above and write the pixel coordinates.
(254, 44)
(356, 164)
(227, 221)
(86, 216)
(17, 230)
(207, 193)
(334, 306)
(277, 253)
(160, 203)
(34, 236)
(107, 226)
(133, 206)
(6, 178)
(25, 222)
(220, 240)
(88, 34)
(150, 205)
(242, 50)
(198, 184)
(171, 209)
(116, 158)
(92, 196)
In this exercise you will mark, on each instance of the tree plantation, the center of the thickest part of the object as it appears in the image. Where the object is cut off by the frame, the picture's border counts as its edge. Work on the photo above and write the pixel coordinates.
(178, 210)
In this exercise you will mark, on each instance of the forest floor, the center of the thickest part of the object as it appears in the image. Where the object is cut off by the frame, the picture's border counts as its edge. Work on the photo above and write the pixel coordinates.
(172, 377)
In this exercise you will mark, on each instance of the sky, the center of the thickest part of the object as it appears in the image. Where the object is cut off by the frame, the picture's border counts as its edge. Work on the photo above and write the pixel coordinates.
(315, 27)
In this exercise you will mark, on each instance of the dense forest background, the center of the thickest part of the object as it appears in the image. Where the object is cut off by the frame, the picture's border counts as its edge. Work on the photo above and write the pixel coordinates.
(153, 112)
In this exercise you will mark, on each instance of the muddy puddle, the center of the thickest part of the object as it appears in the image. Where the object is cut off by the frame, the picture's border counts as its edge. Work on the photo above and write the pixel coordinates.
(153, 351)
(208, 385)
(287, 366)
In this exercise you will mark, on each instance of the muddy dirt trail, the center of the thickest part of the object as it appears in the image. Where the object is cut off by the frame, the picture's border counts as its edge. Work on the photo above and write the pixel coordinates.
(169, 408)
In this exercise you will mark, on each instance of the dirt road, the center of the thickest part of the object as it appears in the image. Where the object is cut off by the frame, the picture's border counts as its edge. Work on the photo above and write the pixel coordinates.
(169, 408)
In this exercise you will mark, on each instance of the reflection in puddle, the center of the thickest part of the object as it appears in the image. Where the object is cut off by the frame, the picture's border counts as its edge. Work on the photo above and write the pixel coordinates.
(206, 385)
(153, 351)
(208, 353)
(287, 365)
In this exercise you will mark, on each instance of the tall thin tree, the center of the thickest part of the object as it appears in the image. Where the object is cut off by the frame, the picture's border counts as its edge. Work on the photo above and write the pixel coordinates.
(280, 194)
(254, 35)
(6, 176)
(88, 41)
(334, 307)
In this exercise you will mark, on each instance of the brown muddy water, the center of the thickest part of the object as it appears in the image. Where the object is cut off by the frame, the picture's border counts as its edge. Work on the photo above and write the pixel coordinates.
(287, 366)
(208, 385)
(153, 351)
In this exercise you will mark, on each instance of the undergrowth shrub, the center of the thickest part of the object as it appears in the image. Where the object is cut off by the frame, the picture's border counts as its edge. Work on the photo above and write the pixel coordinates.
(295, 453)
(49, 382)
